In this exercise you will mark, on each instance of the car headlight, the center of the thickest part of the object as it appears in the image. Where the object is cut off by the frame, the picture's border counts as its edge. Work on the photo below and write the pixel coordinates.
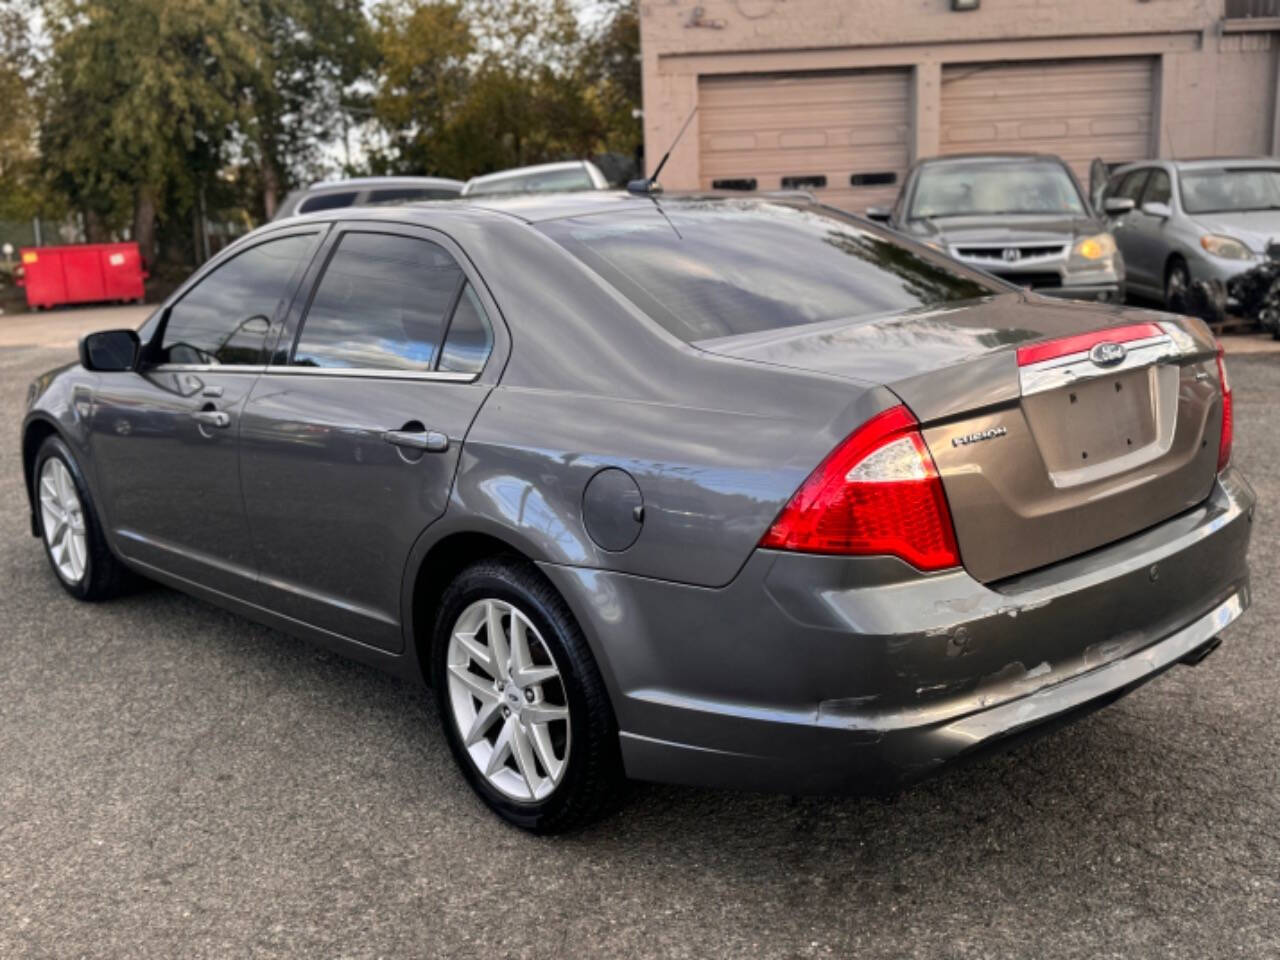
(1228, 248)
(1101, 246)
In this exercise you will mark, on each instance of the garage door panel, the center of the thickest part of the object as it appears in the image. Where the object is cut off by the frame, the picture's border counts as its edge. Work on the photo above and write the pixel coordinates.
(1077, 109)
(833, 125)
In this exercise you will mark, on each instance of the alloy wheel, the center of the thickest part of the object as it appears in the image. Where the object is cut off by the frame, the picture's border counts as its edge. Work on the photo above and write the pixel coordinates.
(508, 700)
(62, 519)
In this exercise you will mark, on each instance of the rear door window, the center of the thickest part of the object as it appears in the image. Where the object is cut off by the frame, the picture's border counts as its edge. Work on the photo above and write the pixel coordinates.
(227, 317)
(383, 303)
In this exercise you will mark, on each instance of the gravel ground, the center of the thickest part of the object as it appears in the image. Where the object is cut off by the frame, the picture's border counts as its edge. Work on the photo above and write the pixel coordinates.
(175, 781)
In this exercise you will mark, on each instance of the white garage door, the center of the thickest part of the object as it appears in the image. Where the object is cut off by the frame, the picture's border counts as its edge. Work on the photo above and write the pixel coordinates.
(841, 135)
(1077, 109)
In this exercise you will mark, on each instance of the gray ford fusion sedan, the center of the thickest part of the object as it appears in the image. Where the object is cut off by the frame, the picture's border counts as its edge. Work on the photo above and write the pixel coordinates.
(739, 493)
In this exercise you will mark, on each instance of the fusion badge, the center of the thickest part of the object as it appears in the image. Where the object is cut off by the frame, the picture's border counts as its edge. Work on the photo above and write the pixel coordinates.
(989, 434)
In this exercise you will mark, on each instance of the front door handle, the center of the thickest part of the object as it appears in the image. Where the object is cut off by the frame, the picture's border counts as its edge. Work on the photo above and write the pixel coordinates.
(432, 441)
(212, 418)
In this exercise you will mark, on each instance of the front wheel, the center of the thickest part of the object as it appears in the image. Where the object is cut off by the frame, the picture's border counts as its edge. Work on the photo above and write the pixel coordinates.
(524, 708)
(69, 527)
(1177, 285)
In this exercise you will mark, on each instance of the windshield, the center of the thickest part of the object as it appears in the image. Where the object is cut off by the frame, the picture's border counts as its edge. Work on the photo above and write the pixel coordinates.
(1225, 189)
(719, 268)
(983, 188)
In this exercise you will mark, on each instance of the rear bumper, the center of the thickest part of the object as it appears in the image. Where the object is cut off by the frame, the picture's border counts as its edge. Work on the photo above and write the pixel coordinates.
(819, 674)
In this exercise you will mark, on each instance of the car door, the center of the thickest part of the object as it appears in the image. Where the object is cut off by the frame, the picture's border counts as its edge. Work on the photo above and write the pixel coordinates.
(1129, 186)
(352, 436)
(165, 439)
(1146, 232)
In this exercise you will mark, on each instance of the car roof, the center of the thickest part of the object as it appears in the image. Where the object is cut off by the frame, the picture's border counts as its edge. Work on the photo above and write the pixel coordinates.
(358, 183)
(540, 207)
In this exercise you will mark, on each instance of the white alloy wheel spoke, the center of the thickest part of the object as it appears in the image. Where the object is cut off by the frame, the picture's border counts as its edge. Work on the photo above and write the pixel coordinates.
(501, 749)
(482, 722)
(499, 650)
(478, 652)
(523, 752)
(545, 713)
(475, 685)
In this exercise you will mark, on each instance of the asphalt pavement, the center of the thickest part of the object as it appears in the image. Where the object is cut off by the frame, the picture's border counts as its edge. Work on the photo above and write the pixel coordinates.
(178, 782)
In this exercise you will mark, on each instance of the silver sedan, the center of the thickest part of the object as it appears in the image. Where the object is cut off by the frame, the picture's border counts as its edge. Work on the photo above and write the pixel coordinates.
(1194, 220)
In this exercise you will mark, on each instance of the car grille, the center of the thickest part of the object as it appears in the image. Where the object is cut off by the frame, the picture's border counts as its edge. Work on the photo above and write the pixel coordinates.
(1030, 279)
(1032, 251)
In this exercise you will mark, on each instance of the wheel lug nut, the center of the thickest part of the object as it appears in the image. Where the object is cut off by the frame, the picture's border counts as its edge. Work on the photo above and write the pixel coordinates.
(506, 712)
(528, 696)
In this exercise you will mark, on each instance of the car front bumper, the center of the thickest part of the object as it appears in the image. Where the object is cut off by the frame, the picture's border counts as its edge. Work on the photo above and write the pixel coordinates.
(814, 674)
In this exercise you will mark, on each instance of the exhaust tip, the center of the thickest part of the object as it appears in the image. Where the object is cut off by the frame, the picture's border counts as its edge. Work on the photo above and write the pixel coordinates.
(1198, 655)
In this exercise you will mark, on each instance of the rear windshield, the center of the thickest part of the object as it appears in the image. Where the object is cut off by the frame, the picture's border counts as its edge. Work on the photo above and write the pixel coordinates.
(546, 182)
(715, 270)
(959, 189)
(1225, 189)
(327, 201)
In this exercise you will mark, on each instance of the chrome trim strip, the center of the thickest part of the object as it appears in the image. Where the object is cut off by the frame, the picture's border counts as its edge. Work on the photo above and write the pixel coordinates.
(446, 376)
(1078, 368)
(203, 368)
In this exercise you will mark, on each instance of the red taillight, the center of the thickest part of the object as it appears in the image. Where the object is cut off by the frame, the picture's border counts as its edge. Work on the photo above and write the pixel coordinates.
(1228, 427)
(1081, 342)
(877, 493)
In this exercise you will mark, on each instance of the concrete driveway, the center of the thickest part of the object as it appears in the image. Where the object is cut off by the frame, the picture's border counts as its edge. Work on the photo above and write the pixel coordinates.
(176, 781)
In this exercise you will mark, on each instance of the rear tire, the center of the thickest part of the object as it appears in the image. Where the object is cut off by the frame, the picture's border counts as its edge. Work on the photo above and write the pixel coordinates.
(540, 744)
(69, 528)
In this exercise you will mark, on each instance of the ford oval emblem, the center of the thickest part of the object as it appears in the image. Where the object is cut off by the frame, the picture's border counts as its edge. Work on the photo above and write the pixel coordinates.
(1107, 353)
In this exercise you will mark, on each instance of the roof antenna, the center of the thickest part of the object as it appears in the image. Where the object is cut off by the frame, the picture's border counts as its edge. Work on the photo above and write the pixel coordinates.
(649, 185)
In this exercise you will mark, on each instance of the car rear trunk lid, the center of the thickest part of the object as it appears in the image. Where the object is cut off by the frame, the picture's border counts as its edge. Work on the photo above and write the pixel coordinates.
(1057, 428)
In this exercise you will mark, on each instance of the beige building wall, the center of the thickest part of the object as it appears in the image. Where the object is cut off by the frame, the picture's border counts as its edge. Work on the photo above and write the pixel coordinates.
(1213, 81)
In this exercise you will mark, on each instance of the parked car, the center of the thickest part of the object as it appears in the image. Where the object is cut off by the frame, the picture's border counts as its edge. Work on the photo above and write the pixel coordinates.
(543, 178)
(728, 492)
(1021, 217)
(1181, 221)
(366, 191)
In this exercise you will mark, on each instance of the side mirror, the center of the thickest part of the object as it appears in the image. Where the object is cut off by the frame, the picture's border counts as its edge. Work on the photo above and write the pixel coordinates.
(879, 214)
(1157, 209)
(109, 351)
(1117, 206)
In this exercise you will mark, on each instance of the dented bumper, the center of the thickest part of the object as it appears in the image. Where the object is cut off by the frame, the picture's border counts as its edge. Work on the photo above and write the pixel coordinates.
(820, 674)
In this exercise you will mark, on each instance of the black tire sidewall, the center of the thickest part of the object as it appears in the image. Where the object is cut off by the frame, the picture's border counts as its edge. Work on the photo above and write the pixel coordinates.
(592, 730)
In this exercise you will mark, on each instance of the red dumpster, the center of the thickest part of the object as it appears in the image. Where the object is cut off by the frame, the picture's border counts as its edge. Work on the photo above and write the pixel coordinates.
(82, 273)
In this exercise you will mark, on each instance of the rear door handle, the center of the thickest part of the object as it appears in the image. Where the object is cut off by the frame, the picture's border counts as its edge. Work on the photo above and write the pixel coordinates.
(212, 418)
(432, 441)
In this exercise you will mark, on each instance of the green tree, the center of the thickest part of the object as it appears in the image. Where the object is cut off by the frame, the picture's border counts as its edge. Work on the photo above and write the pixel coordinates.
(19, 194)
(308, 58)
(424, 52)
(141, 104)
